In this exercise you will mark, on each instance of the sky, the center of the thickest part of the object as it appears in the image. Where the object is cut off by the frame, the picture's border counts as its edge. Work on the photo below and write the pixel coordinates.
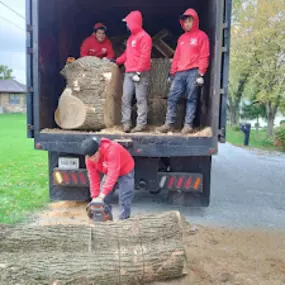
(13, 39)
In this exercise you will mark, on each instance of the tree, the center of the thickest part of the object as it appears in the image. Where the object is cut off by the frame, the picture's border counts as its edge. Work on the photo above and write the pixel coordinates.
(263, 23)
(5, 72)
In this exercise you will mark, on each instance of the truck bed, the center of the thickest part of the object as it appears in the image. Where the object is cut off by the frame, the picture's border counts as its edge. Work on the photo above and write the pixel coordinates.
(150, 131)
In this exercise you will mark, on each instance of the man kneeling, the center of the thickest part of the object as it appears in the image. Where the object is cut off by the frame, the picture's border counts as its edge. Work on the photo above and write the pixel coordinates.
(189, 65)
(115, 162)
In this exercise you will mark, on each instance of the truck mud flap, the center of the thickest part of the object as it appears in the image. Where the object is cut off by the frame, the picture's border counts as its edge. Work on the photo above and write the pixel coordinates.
(180, 182)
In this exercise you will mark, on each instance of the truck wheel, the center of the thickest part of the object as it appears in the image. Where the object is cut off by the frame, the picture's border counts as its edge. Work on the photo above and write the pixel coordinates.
(155, 192)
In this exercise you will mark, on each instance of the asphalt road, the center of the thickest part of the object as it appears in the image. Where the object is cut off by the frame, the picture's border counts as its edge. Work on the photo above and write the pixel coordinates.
(248, 191)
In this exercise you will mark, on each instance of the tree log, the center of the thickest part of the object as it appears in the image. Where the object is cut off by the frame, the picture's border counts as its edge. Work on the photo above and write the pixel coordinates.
(92, 98)
(142, 249)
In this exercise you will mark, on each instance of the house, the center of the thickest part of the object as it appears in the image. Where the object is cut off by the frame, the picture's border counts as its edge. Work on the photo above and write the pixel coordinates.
(12, 97)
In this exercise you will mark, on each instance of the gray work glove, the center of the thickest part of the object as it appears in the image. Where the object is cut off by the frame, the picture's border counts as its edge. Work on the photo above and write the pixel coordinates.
(99, 199)
(170, 78)
(137, 77)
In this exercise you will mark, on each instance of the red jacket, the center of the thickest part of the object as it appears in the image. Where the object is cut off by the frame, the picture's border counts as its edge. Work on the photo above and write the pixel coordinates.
(92, 47)
(193, 48)
(114, 161)
(137, 56)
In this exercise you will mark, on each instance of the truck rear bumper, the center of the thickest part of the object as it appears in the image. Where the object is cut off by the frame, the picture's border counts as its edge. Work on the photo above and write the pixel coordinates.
(137, 145)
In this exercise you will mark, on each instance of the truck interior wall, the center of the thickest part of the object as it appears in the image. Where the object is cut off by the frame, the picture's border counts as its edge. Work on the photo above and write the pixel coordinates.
(63, 25)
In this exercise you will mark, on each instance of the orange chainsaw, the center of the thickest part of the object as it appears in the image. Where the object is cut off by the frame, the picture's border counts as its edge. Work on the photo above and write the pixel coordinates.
(99, 212)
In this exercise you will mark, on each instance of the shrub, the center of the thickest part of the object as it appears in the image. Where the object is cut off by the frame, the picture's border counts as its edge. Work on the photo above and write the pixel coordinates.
(280, 135)
(236, 128)
(282, 122)
(266, 142)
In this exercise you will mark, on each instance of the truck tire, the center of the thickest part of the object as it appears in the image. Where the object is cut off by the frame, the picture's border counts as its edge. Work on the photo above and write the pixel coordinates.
(196, 165)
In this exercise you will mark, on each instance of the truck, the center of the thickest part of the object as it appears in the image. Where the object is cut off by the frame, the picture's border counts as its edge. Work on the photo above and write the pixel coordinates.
(178, 164)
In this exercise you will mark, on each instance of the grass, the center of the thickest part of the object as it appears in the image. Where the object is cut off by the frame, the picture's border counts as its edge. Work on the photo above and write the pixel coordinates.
(257, 139)
(23, 171)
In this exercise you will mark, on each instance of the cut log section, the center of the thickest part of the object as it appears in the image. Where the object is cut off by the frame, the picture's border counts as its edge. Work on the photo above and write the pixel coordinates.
(92, 98)
(140, 250)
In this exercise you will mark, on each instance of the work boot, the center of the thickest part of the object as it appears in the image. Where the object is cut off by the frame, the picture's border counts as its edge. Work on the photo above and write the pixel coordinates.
(138, 129)
(165, 129)
(187, 130)
(127, 128)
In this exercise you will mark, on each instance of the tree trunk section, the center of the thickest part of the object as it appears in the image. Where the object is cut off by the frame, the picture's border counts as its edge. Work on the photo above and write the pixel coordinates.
(92, 98)
(142, 249)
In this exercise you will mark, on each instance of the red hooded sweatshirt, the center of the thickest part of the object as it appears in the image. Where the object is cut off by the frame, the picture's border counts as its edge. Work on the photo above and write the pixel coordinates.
(137, 56)
(92, 47)
(193, 48)
(114, 161)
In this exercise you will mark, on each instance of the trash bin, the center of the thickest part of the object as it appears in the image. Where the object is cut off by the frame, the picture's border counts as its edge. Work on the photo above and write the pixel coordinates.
(246, 128)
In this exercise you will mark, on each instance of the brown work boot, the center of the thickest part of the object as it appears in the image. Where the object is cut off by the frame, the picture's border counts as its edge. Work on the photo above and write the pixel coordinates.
(187, 129)
(138, 129)
(127, 128)
(165, 129)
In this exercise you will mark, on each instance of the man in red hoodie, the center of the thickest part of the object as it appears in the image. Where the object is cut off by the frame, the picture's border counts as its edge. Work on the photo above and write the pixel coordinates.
(117, 165)
(98, 44)
(189, 66)
(137, 61)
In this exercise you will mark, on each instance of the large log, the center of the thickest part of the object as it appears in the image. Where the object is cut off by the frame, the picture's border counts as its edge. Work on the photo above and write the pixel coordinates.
(142, 249)
(92, 98)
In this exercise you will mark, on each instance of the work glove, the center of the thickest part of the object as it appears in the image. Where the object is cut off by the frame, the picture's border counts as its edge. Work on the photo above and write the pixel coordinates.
(99, 199)
(170, 78)
(137, 77)
(200, 80)
(107, 59)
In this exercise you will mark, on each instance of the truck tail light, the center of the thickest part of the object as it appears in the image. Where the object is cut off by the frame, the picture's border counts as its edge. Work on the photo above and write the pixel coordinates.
(70, 177)
(175, 181)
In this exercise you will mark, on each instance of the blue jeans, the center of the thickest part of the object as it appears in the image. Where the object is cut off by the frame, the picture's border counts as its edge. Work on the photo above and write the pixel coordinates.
(183, 83)
(126, 185)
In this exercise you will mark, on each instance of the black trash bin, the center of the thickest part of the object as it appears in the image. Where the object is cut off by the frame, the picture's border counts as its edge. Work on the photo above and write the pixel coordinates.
(246, 128)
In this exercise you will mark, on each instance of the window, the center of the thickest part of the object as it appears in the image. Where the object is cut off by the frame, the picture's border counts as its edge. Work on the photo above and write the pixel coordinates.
(14, 99)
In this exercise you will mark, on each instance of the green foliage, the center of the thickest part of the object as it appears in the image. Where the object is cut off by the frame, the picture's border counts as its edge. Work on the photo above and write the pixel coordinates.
(236, 128)
(282, 122)
(5, 72)
(267, 142)
(253, 111)
(280, 135)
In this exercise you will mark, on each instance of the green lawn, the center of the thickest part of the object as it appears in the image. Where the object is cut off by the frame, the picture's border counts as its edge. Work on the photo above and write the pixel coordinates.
(257, 139)
(23, 171)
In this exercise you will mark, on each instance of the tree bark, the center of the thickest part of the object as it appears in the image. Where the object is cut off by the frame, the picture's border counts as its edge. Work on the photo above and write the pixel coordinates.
(143, 249)
(92, 98)
(271, 110)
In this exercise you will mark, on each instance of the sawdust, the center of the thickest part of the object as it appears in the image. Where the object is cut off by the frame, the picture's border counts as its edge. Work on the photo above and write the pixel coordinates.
(215, 255)
(118, 130)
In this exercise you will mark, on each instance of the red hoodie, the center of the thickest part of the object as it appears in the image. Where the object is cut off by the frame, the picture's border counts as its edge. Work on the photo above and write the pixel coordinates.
(193, 48)
(92, 47)
(137, 56)
(114, 161)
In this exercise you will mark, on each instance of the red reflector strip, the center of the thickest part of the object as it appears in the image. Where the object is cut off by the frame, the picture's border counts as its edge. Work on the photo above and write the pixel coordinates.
(179, 183)
(74, 177)
(82, 178)
(171, 182)
(66, 178)
(197, 183)
(188, 183)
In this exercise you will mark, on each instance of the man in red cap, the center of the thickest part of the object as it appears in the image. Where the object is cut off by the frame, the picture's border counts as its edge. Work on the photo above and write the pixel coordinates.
(189, 65)
(117, 165)
(98, 44)
(137, 61)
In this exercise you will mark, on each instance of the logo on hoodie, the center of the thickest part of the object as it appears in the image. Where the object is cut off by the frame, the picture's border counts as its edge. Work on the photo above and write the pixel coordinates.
(193, 42)
(104, 50)
(134, 43)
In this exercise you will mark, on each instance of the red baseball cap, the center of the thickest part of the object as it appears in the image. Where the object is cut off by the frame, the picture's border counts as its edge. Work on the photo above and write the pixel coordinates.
(98, 26)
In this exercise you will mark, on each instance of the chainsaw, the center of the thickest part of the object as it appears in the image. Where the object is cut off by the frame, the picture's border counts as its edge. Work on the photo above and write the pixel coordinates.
(99, 212)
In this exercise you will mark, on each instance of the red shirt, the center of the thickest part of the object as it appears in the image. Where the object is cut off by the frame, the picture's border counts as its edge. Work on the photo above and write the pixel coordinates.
(137, 56)
(193, 48)
(114, 161)
(92, 47)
